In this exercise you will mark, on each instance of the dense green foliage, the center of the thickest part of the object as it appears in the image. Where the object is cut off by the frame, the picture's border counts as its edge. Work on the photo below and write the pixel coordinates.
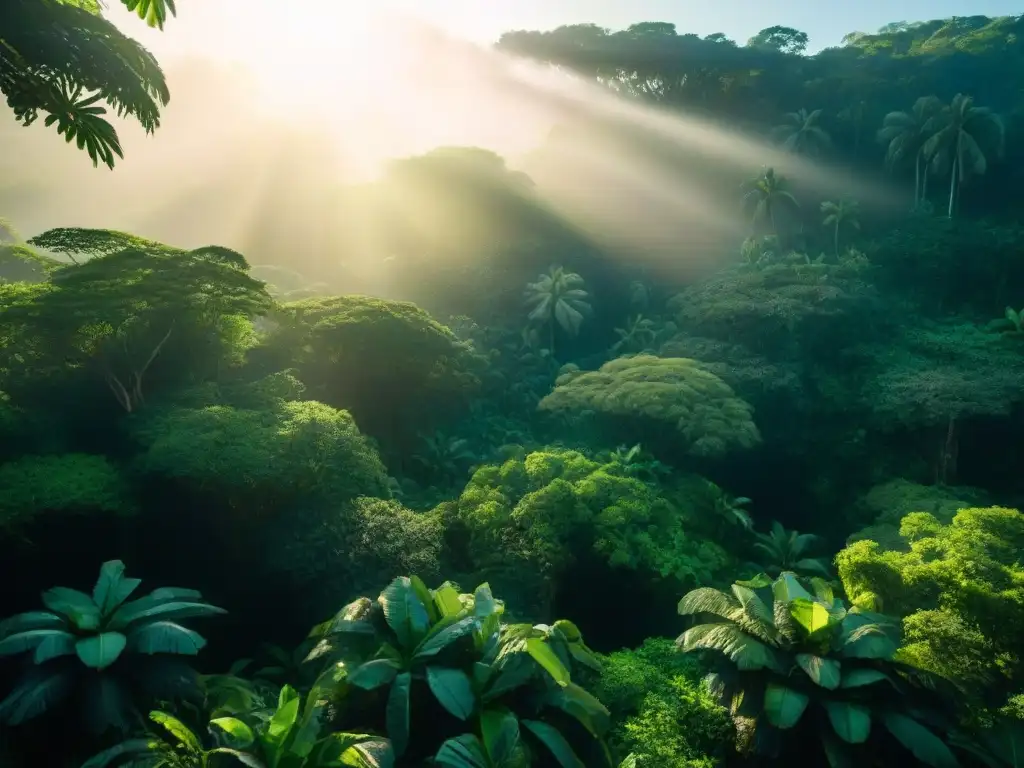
(816, 443)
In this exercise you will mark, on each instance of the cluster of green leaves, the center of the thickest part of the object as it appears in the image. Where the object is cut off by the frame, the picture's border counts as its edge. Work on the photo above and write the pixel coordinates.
(960, 587)
(502, 691)
(63, 58)
(708, 416)
(662, 712)
(794, 659)
(540, 513)
(112, 653)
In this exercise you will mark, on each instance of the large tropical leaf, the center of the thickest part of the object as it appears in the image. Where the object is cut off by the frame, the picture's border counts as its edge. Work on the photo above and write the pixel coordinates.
(397, 714)
(112, 588)
(707, 600)
(36, 694)
(453, 689)
(784, 706)
(23, 622)
(464, 751)
(144, 609)
(499, 729)
(441, 637)
(543, 654)
(240, 734)
(132, 750)
(77, 606)
(855, 678)
(165, 637)
(30, 640)
(922, 743)
(178, 730)
(824, 672)
(59, 643)
(745, 651)
(851, 722)
(100, 651)
(556, 743)
(582, 705)
(374, 673)
(404, 612)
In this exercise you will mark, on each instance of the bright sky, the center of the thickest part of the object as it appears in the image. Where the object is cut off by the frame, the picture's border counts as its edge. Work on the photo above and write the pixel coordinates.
(202, 24)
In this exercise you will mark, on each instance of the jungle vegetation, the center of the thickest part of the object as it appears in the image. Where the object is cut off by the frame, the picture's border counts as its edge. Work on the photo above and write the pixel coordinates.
(546, 510)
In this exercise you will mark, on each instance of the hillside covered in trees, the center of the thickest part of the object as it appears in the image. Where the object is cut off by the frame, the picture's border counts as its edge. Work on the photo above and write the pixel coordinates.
(473, 479)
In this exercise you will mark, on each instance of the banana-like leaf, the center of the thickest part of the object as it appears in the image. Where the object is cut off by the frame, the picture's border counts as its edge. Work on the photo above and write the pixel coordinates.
(24, 622)
(165, 637)
(543, 654)
(100, 651)
(397, 715)
(555, 742)
(921, 742)
(131, 749)
(851, 722)
(745, 651)
(143, 610)
(374, 673)
(788, 588)
(404, 612)
(28, 641)
(824, 672)
(464, 751)
(178, 730)
(238, 732)
(707, 600)
(453, 689)
(60, 643)
(281, 724)
(753, 606)
(446, 600)
(244, 758)
(112, 588)
(784, 706)
(855, 678)
(499, 729)
(35, 695)
(448, 633)
(77, 606)
(582, 705)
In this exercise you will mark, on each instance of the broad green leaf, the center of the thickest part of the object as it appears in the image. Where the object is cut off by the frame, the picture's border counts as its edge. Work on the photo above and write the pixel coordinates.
(500, 731)
(484, 603)
(77, 606)
(453, 689)
(177, 729)
(542, 653)
(426, 598)
(869, 641)
(362, 751)
(555, 742)
(373, 674)
(582, 705)
(397, 715)
(812, 616)
(24, 622)
(855, 678)
(745, 651)
(404, 612)
(822, 589)
(787, 588)
(851, 722)
(783, 706)
(753, 606)
(281, 723)
(464, 751)
(824, 672)
(446, 600)
(707, 600)
(760, 581)
(434, 643)
(112, 588)
(165, 637)
(34, 696)
(60, 643)
(515, 671)
(241, 735)
(921, 742)
(126, 749)
(571, 631)
(244, 758)
(144, 610)
(28, 641)
(100, 651)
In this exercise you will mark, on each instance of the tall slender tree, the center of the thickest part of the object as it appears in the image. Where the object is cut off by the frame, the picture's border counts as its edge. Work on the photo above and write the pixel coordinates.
(802, 134)
(962, 137)
(905, 134)
(839, 215)
(764, 196)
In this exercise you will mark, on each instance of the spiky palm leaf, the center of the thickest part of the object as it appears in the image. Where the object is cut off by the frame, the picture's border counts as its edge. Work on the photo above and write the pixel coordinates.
(638, 334)
(63, 58)
(764, 195)
(802, 133)
(558, 298)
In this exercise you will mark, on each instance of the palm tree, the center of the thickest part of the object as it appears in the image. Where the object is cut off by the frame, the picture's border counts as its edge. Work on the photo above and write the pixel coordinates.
(802, 134)
(765, 194)
(638, 334)
(65, 59)
(960, 135)
(905, 134)
(837, 215)
(784, 551)
(558, 298)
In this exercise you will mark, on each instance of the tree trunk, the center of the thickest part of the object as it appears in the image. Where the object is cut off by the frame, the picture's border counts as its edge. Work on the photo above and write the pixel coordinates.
(953, 177)
(917, 179)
